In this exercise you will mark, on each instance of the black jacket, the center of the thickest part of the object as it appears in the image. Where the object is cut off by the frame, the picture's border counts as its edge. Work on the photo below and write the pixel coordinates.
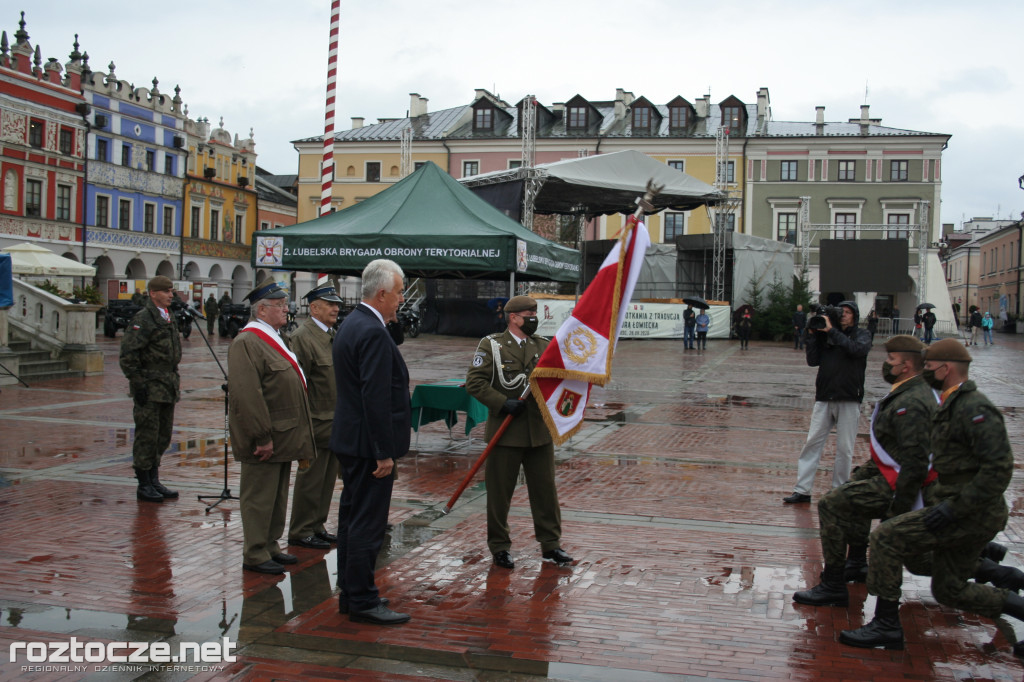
(841, 357)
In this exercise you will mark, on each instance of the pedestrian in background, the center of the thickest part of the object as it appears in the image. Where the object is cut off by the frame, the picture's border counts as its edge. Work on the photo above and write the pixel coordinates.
(212, 311)
(743, 329)
(973, 325)
(928, 320)
(872, 324)
(703, 323)
(689, 327)
(986, 327)
(799, 325)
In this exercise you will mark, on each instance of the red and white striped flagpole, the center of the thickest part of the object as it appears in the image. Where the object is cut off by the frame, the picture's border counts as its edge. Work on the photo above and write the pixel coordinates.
(327, 174)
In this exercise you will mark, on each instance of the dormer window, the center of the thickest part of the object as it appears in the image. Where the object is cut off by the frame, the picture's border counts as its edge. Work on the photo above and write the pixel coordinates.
(641, 118)
(731, 117)
(577, 117)
(483, 118)
(677, 117)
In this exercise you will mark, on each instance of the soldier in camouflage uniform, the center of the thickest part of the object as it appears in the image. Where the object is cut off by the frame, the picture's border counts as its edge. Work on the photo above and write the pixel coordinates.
(974, 463)
(887, 485)
(150, 353)
(499, 373)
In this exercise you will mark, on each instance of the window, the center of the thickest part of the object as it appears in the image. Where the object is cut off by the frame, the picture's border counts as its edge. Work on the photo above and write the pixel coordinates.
(238, 229)
(126, 154)
(678, 165)
(373, 171)
(788, 171)
(787, 227)
(483, 118)
(470, 168)
(124, 214)
(677, 117)
(102, 211)
(214, 224)
(66, 141)
(729, 220)
(847, 171)
(515, 163)
(264, 225)
(168, 164)
(35, 133)
(168, 220)
(193, 230)
(729, 170)
(675, 226)
(33, 197)
(577, 117)
(102, 153)
(418, 164)
(898, 171)
(731, 118)
(642, 118)
(845, 219)
(148, 217)
(150, 160)
(63, 202)
(898, 226)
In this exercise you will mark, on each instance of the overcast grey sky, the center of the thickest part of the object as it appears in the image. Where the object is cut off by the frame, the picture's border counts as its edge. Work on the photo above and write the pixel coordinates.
(936, 66)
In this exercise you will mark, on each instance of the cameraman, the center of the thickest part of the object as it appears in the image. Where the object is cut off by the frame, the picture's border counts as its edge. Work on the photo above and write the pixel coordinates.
(839, 349)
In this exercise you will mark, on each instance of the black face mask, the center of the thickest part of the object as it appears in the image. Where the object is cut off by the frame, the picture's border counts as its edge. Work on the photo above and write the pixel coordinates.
(931, 380)
(887, 374)
(529, 326)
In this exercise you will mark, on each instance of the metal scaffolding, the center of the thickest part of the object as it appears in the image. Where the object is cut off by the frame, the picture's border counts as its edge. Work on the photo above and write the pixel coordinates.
(406, 164)
(919, 233)
(722, 216)
(528, 133)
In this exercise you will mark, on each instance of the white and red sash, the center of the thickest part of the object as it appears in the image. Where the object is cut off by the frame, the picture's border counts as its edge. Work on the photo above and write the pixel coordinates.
(274, 341)
(889, 467)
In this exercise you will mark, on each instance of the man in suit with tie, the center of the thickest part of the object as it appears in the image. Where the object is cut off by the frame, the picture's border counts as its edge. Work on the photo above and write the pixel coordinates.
(372, 424)
(270, 426)
(314, 487)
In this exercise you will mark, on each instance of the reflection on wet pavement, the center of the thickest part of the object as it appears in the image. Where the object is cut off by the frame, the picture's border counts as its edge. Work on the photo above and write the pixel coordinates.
(685, 558)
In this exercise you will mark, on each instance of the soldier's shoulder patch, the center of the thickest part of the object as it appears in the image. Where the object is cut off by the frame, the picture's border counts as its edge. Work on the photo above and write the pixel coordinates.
(135, 326)
(901, 411)
(478, 359)
(978, 419)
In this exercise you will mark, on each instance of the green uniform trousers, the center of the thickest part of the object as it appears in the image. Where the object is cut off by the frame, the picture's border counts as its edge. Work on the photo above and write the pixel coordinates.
(263, 502)
(311, 497)
(845, 514)
(954, 555)
(153, 425)
(501, 474)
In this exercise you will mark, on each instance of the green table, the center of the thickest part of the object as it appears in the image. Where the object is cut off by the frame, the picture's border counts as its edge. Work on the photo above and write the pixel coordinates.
(434, 402)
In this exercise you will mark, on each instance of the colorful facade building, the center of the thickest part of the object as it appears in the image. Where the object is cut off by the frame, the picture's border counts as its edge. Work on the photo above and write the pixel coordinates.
(999, 277)
(42, 148)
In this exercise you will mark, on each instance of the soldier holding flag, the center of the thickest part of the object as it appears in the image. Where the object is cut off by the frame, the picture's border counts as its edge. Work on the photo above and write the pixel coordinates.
(497, 378)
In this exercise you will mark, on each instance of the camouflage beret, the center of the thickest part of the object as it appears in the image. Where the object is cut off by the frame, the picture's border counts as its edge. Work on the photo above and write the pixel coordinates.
(160, 283)
(947, 350)
(518, 304)
(904, 343)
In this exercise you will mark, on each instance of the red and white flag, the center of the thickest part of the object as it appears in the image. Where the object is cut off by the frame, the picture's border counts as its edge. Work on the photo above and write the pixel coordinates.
(580, 355)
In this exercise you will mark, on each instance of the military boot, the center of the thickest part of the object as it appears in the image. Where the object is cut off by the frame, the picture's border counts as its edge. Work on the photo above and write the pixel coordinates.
(883, 631)
(831, 591)
(146, 492)
(856, 569)
(154, 478)
(1005, 577)
(994, 551)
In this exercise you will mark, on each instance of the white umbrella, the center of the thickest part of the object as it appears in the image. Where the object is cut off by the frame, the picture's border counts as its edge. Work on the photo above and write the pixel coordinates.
(31, 259)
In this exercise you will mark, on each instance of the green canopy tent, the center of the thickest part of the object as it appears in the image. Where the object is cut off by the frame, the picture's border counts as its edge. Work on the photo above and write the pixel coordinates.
(427, 223)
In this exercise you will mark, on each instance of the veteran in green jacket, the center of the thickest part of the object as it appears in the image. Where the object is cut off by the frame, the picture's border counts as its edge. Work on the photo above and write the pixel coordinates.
(498, 376)
(150, 353)
(270, 426)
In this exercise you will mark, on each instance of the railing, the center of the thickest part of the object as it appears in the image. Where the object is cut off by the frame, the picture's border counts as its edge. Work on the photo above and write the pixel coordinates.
(51, 321)
(905, 325)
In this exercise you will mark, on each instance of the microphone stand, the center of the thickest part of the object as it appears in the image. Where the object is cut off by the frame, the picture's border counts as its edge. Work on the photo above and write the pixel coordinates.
(225, 494)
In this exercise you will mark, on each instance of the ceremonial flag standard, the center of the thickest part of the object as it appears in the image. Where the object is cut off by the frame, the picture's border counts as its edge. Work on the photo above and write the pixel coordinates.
(580, 355)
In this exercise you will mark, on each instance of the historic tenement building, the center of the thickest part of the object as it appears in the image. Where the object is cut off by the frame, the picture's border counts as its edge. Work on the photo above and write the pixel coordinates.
(42, 148)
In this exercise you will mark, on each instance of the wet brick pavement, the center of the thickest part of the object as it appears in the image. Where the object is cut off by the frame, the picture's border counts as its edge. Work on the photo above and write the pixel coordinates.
(686, 559)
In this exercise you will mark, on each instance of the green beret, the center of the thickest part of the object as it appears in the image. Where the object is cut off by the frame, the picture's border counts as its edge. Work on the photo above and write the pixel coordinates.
(947, 350)
(160, 283)
(904, 343)
(518, 304)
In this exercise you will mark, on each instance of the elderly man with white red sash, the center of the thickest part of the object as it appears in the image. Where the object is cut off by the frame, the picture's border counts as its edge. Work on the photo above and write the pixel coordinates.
(889, 484)
(270, 426)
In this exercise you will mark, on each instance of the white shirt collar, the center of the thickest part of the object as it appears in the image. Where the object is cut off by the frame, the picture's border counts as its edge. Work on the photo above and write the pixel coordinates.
(320, 324)
(375, 312)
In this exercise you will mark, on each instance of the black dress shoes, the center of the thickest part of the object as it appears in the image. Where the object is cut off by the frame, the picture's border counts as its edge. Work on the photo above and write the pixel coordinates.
(343, 605)
(327, 537)
(557, 555)
(311, 541)
(797, 498)
(379, 615)
(283, 558)
(504, 560)
(271, 567)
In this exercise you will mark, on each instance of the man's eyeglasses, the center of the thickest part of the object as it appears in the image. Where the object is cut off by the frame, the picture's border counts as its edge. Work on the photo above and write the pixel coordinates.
(274, 305)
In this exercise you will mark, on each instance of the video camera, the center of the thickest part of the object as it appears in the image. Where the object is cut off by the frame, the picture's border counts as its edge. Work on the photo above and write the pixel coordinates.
(816, 322)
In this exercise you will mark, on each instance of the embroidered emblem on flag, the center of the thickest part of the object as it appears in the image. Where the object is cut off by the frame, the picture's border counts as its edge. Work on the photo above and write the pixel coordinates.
(568, 402)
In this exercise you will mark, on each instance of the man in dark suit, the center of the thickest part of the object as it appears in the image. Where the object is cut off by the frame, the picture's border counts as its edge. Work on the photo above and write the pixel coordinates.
(372, 423)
